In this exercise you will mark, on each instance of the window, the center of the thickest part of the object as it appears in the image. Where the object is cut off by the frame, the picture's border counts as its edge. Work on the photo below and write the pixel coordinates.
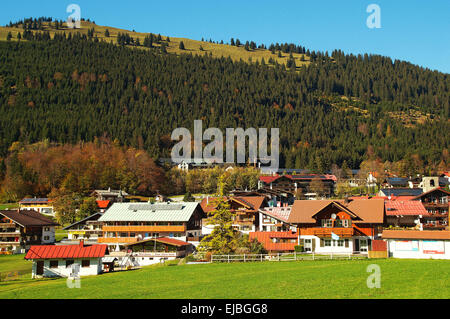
(69, 263)
(327, 242)
(85, 263)
(46, 237)
(363, 245)
(53, 264)
(327, 223)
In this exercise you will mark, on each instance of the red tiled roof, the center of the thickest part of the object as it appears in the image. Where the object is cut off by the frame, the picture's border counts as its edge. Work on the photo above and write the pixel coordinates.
(103, 203)
(265, 238)
(405, 207)
(416, 234)
(66, 251)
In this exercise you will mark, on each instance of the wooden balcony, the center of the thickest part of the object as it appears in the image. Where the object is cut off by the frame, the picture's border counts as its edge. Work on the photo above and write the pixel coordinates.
(9, 234)
(12, 225)
(326, 232)
(134, 229)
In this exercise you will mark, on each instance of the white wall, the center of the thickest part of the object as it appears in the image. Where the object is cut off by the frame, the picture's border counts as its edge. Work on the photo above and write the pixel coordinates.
(50, 233)
(334, 248)
(94, 269)
(397, 250)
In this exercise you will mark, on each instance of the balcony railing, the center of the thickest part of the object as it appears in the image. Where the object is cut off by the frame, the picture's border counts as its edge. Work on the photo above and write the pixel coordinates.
(158, 228)
(326, 231)
(114, 240)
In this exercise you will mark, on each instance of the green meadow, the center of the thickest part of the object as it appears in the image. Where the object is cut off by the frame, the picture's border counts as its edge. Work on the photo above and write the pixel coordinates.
(274, 280)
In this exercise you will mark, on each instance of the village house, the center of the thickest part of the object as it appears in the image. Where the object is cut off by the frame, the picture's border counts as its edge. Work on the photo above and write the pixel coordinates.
(125, 223)
(19, 229)
(405, 213)
(115, 196)
(273, 219)
(59, 261)
(153, 250)
(88, 229)
(245, 211)
(436, 203)
(310, 185)
(337, 226)
(426, 244)
(40, 205)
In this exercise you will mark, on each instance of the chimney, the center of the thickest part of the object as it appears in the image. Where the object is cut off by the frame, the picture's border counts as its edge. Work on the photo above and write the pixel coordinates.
(81, 242)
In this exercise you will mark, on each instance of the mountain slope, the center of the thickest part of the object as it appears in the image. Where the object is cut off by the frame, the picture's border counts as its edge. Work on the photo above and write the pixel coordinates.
(338, 109)
(191, 46)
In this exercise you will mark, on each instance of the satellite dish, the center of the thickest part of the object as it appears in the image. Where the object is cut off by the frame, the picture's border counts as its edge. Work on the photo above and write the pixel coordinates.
(333, 216)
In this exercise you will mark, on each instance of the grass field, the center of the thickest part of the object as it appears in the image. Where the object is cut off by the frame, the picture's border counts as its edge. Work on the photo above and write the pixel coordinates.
(8, 206)
(275, 280)
(191, 46)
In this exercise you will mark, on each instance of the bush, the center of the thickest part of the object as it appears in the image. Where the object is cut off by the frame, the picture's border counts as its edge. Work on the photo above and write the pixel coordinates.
(299, 248)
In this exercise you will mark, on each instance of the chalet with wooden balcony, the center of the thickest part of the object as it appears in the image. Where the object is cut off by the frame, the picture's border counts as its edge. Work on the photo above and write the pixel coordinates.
(40, 205)
(436, 203)
(88, 229)
(125, 223)
(337, 226)
(19, 229)
(405, 214)
(324, 184)
(245, 210)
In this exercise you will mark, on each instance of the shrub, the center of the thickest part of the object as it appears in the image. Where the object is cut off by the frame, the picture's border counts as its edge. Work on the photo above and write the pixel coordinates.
(299, 248)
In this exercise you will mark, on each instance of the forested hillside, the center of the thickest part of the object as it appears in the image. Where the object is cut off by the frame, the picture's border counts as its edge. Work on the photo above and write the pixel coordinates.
(341, 109)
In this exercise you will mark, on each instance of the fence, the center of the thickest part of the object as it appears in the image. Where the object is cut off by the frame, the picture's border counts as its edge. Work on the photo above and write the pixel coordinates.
(283, 257)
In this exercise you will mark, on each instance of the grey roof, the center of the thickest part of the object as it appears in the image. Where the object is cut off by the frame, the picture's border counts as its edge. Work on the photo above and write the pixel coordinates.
(145, 212)
(111, 192)
(402, 191)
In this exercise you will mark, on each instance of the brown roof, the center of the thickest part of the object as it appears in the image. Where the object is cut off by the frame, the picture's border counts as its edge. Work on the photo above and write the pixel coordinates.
(28, 218)
(416, 234)
(437, 189)
(253, 202)
(368, 210)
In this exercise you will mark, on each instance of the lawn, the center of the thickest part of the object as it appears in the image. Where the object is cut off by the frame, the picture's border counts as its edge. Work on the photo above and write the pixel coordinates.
(8, 206)
(304, 279)
(12, 266)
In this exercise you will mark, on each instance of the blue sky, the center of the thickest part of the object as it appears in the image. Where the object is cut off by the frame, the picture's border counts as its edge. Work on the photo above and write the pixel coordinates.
(417, 31)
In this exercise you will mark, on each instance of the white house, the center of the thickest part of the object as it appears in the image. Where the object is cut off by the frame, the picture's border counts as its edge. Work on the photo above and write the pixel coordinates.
(59, 261)
(426, 244)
